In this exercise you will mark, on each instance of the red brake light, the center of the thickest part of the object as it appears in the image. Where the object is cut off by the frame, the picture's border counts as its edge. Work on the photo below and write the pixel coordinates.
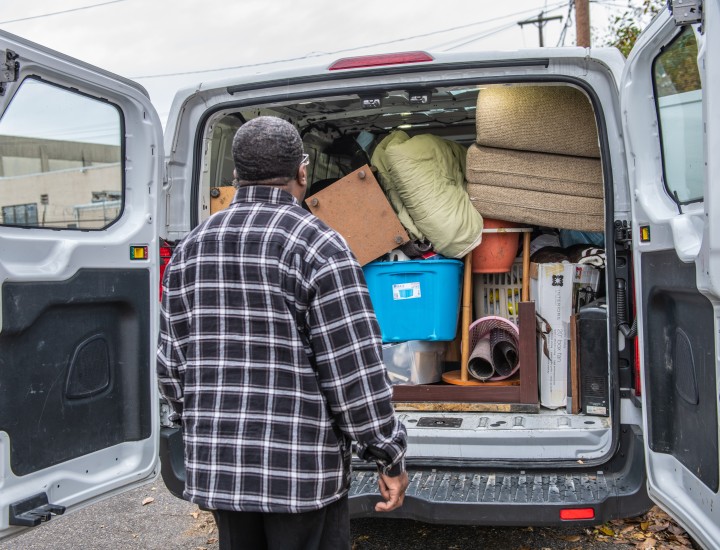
(381, 59)
(165, 254)
(577, 513)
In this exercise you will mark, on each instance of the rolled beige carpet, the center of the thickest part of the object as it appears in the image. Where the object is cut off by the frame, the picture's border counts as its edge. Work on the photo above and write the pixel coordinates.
(545, 119)
(563, 174)
(538, 207)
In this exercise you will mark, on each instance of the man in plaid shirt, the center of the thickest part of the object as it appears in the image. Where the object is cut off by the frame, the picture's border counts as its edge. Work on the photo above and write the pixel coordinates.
(270, 352)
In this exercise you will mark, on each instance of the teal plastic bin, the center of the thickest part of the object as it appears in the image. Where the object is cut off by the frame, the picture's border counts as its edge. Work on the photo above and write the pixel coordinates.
(417, 299)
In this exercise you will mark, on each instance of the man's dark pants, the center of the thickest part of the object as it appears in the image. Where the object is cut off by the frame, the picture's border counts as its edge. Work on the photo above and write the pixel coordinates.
(324, 529)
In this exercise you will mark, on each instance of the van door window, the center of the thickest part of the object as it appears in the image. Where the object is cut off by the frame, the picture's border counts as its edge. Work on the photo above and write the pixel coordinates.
(679, 105)
(60, 160)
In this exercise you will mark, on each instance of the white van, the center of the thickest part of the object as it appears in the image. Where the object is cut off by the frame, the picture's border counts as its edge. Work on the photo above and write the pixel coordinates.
(93, 198)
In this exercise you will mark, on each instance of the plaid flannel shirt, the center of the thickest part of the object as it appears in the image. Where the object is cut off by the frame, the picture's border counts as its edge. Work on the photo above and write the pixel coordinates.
(270, 349)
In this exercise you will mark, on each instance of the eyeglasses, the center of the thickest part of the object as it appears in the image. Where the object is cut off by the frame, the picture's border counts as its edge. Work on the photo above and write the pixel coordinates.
(305, 160)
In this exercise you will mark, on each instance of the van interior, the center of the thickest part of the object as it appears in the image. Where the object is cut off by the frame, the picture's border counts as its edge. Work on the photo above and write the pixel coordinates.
(341, 134)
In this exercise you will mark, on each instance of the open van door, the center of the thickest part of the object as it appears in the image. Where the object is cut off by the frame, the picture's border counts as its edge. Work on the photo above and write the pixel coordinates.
(80, 165)
(671, 117)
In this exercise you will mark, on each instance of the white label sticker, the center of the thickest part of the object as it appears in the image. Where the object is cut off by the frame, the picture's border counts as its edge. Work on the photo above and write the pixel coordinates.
(595, 410)
(406, 291)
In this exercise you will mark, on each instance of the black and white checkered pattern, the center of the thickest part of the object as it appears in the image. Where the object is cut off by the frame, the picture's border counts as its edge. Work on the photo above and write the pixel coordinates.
(270, 347)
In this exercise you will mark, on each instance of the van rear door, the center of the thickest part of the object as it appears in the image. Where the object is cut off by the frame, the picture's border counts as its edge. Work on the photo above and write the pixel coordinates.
(671, 116)
(80, 161)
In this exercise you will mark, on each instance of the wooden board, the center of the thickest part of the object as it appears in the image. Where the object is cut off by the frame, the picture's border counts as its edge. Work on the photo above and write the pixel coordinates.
(468, 407)
(454, 377)
(356, 207)
(574, 378)
(224, 197)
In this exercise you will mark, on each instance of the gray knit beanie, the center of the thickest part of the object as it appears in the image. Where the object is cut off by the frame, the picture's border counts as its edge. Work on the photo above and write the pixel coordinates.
(266, 147)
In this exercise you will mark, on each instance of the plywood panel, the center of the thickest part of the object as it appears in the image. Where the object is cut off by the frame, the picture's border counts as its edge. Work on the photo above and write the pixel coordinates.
(223, 199)
(356, 207)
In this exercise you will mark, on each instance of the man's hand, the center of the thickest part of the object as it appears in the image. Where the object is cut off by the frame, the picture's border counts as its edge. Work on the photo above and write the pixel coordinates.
(392, 490)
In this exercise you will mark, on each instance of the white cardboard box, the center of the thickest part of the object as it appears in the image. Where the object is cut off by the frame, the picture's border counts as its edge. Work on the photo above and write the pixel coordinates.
(554, 287)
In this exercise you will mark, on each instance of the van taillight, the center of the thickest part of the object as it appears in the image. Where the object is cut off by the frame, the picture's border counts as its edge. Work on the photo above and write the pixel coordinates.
(381, 59)
(165, 254)
(577, 513)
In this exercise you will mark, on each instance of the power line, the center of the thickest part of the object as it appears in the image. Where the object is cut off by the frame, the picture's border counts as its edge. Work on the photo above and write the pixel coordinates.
(59, 12)
(344, 50)
(568, 22)
(480, 36)
(489, 32)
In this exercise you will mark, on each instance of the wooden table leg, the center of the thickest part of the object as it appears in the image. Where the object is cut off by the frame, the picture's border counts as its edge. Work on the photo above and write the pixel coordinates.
(466, 318)
(526, 268)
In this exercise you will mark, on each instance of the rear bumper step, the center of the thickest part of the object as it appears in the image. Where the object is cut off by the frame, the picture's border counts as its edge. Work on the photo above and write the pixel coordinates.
(481, 496)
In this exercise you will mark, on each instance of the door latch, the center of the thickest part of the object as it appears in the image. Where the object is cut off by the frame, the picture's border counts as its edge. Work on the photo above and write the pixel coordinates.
(9, 68)
(686, 12)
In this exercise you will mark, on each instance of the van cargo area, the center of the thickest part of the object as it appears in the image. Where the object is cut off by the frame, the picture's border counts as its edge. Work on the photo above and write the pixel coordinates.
(529, 170)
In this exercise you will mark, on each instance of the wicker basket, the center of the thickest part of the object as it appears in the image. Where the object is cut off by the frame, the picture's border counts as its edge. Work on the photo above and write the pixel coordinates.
(498, 293)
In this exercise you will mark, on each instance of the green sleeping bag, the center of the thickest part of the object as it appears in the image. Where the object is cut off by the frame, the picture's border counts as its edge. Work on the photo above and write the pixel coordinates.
(423, 178)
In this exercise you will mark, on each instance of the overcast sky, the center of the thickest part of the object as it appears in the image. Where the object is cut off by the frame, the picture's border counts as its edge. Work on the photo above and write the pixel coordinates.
(145, 39)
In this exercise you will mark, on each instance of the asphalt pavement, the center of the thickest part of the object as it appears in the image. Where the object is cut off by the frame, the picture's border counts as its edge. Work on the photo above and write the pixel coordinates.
(150, 517)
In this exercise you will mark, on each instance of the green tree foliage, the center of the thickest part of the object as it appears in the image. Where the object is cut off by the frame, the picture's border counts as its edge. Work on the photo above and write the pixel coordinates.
(676, 69)
(625, 28)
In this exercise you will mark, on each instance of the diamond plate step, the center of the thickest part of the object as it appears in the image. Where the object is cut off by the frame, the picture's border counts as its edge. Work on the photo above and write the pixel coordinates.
(481, 496)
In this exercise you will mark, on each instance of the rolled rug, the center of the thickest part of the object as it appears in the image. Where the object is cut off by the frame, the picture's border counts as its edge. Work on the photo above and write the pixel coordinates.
(480, 362)
(504, 352)
(487, 354)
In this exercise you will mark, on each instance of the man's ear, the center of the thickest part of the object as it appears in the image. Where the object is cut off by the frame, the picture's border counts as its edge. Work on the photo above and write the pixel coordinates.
(302, 176)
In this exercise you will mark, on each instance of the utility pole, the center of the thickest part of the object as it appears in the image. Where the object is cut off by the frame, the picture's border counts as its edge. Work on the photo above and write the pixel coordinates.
(540, 22)
(582, 23)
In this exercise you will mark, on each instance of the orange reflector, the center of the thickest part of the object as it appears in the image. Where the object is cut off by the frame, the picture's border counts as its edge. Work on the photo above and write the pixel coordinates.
(577, 513)
(382, 59)
(644, 233)
(138, 252)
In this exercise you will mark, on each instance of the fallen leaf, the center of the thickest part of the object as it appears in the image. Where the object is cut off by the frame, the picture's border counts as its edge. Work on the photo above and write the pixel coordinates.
(195, 515)
(148, 500)
(362, 538)
(646, 544)
(644, 525)
(571, 538)
(681, 540)
(675, 530)
(211, 540)
(627, 529)
(606, 530)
